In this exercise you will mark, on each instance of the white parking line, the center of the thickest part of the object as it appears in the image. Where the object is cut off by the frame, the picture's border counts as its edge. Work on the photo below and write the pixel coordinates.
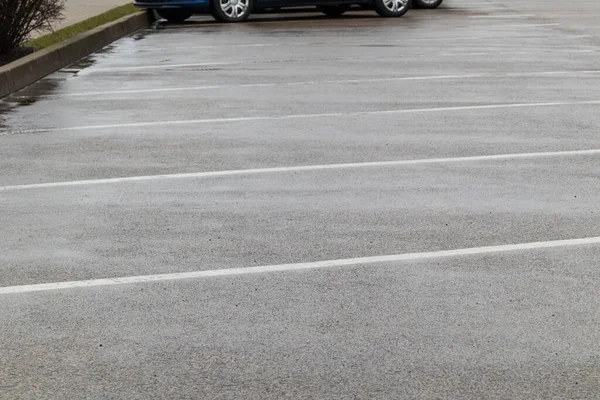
(93, 70)
(300, 266)
(303, 116)
(516, 52)
(340, 81)
(482, 38)
(214, 174)
(499, 16)
(354, 44)
(161, 66)
(273, 84)
(524, 25)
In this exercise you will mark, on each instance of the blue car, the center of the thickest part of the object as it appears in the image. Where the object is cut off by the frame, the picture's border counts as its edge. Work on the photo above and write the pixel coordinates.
(239, 10)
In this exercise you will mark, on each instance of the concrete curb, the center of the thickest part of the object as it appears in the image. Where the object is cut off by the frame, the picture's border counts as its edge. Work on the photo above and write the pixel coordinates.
(29, 69)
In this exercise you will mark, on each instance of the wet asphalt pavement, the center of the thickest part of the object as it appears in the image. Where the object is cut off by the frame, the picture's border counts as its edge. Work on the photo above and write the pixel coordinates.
(471, 79)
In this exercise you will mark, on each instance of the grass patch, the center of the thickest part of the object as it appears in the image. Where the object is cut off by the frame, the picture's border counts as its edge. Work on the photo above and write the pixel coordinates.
(83, 26)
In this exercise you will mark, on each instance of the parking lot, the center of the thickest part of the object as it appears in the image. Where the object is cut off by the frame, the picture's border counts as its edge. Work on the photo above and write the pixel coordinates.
(308, 207)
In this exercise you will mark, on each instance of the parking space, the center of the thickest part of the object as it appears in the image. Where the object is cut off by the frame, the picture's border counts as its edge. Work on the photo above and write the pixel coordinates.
(515, 326)
(305, 207)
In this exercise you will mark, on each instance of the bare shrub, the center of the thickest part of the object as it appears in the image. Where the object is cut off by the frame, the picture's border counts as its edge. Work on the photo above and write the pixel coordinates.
(19, 18)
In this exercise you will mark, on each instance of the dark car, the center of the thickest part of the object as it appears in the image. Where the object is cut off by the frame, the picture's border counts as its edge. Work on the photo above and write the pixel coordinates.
(239, 10)
(431, 4)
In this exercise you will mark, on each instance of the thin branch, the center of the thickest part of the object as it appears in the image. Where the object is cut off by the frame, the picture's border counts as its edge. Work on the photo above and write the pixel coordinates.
(20, 18)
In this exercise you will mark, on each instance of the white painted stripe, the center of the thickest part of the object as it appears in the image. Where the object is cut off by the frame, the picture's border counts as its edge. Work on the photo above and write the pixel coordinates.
(502, 16)
(341, 24)
(303, 116)
(162, 66)
(224, 63)
(524, 25)
(300, 266)
(273, 84)
(526, 51)
(326, 82)
(220, 46)
(92, 69)
(214, 174)
(482, 38)
(355, 44)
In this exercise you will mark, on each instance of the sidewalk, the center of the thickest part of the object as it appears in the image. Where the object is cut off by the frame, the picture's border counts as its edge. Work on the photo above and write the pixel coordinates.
(79, 10)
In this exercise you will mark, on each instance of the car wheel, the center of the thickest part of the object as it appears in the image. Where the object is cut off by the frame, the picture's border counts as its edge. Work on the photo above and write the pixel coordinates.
(231, 10)
(429, 4)
(334, 11)
(392, 8)
(175, 15)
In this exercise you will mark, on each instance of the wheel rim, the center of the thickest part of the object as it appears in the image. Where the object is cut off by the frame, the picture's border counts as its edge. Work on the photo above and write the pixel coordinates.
(234, 9)
(395, 5)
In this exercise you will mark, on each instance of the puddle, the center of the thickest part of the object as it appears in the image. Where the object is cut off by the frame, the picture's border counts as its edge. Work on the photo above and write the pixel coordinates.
(27, 97)
(4, 110)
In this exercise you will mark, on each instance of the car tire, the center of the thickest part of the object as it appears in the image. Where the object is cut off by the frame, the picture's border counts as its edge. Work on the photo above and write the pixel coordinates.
(231, 10)
(334, 11)
(391, 8)
(175, 15)
(428, 4)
